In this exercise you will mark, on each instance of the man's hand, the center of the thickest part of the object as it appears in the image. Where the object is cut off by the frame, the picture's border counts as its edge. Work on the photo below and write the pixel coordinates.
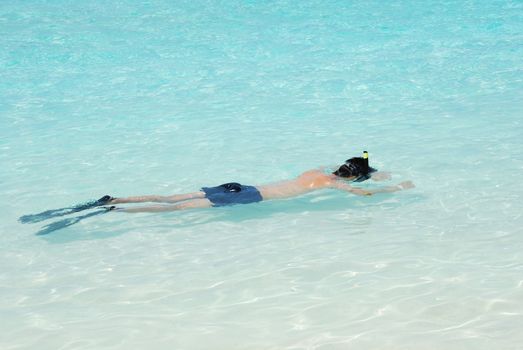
(405, 185)
(361, 192)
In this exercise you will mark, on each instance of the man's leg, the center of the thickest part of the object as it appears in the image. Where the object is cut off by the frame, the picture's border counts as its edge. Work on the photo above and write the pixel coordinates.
(159, 199)
(190, 204)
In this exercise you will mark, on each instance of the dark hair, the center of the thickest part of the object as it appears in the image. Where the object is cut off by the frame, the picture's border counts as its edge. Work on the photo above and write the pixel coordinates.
(355, 167)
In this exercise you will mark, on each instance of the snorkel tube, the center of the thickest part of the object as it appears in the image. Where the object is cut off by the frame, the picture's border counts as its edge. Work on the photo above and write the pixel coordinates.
(366, 161)
(366, 169)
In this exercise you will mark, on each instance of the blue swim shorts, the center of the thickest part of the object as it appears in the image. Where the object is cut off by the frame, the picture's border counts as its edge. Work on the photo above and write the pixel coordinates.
(232, 193)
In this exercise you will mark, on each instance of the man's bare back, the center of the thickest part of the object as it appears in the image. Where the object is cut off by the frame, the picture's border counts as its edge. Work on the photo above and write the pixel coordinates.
(307, 182)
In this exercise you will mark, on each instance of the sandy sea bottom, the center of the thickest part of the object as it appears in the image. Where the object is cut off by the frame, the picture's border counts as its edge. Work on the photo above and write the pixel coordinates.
(138, 98)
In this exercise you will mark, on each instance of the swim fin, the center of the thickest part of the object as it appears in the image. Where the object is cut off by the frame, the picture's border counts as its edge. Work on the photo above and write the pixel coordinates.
(58, 225)
(53, 213)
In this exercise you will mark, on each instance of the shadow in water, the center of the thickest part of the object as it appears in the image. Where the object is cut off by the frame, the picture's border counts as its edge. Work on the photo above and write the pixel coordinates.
(328, 202)
(58, 225)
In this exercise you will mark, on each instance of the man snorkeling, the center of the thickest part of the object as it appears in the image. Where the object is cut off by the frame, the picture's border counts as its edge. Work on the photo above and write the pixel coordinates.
(355, 169)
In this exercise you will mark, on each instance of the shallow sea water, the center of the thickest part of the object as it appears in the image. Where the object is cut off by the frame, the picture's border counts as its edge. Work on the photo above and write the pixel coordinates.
(164, 97)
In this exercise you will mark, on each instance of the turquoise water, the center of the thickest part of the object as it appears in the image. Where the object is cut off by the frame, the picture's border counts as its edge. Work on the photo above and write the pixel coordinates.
(163, 97)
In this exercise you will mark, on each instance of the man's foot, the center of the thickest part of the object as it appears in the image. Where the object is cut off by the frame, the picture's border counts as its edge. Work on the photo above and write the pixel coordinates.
(104, 200)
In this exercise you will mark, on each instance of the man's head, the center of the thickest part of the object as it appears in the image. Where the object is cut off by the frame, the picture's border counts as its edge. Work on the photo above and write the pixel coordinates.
(357, 168)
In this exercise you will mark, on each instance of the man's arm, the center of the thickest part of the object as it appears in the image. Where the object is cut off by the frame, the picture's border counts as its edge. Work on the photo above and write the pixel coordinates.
(380, 176)
(362, 192)
(348, 188)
